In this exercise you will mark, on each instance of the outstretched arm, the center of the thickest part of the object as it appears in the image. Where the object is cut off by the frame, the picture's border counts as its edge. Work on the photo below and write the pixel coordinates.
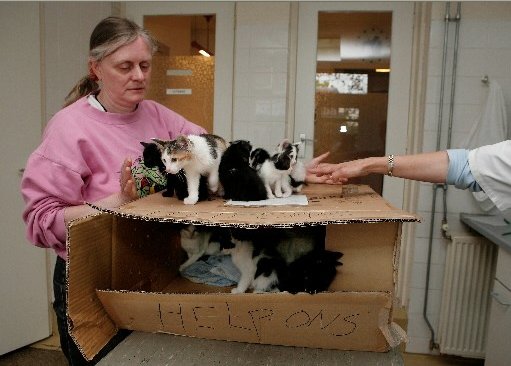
(427, 167)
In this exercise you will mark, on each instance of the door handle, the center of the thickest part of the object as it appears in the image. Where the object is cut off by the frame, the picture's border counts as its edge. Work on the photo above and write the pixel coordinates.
(304, 140)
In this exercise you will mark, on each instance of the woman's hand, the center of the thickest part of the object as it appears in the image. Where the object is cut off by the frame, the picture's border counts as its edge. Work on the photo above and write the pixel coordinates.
(127, 182)
(314, 169)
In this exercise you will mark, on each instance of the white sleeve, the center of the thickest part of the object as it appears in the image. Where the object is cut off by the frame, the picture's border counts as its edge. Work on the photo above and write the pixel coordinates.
(491, 167)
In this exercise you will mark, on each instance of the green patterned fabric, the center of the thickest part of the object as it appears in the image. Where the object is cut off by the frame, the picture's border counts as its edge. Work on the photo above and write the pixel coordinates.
(147, 180)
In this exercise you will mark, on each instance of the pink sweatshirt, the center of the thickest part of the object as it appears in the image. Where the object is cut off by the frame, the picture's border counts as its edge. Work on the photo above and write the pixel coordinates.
(80, 158)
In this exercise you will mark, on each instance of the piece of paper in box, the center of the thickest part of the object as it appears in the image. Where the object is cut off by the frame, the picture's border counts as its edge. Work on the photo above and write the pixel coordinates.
(294, 199)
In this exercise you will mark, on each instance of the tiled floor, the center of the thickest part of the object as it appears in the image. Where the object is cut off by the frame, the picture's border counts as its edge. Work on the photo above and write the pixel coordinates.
(47, 353)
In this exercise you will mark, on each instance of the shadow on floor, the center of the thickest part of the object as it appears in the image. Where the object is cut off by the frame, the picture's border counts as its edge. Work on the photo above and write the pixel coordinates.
(29, 356)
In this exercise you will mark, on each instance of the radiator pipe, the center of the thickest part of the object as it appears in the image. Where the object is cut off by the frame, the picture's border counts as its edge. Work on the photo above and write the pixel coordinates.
(445, 225)
(447, 19)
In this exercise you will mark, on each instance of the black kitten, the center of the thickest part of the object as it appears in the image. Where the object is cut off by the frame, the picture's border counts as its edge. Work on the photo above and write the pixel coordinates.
(152, 156)
(312, 273)
(239, 180)
(176, 183)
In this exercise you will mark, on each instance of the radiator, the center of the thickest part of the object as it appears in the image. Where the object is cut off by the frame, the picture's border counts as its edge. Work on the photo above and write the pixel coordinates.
(464, 312)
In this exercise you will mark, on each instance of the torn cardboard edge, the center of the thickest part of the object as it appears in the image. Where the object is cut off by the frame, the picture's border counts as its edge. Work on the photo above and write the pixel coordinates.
(246, 225)
(327, 205)
(83, 331)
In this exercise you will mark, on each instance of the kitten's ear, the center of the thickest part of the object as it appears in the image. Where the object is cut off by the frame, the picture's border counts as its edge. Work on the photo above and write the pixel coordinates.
(160, 143)
(145, 144)
(183, 142)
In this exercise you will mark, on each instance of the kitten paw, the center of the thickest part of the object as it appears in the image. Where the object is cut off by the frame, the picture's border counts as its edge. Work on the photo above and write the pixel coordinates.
(278, 194)
(237, 291)
(190, 200)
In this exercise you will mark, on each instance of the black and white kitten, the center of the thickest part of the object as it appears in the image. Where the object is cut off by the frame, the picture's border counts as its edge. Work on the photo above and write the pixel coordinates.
(239, 181)
(257, 267)
(176, 183)
(276, 180)
(287, 153)
(262, 256)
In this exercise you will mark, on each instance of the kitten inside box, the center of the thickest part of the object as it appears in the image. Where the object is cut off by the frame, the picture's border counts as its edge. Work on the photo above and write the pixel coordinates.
(268, 260)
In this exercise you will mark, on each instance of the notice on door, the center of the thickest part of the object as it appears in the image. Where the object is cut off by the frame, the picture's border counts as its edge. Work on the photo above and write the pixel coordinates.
(176, 72)
(179, 91)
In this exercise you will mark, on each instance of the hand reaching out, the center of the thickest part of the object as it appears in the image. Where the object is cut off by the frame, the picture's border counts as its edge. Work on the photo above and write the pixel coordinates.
(316, 165)
(340, 173)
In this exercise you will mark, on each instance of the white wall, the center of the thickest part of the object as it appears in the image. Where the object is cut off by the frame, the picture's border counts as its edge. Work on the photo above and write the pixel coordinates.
(260, 72)
(67, 28)
(484, 49)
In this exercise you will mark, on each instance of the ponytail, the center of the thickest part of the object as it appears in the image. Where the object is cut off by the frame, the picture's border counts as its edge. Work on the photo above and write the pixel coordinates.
(85, 86)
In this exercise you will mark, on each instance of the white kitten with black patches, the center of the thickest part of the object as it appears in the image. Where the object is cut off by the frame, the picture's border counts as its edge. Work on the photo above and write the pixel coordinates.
(197, 155)
(275, 180)
(288, 153)
(275, 170)
(242, 258)
(247, 260)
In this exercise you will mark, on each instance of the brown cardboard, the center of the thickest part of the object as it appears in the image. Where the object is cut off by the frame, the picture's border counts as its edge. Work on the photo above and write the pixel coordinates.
(347, 319)
(327, 204)
(123, 273)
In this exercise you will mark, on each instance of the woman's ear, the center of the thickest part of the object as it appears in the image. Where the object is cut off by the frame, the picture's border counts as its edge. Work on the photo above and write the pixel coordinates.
(94, 70)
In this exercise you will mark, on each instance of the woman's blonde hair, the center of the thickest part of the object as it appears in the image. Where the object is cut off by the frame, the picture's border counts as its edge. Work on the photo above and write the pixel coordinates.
(107, 37)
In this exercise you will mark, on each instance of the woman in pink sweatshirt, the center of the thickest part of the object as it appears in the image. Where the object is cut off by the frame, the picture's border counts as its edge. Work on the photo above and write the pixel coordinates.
(88, 146)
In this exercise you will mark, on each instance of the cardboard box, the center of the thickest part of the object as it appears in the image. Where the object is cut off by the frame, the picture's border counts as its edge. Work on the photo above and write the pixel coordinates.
(122, 272)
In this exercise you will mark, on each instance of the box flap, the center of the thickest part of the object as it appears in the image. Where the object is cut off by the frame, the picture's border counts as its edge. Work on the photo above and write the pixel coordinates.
(344, 320)
(328, 204)
(88, 268)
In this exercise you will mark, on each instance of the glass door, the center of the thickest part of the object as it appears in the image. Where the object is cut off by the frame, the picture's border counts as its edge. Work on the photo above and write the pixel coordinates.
(352, 84)
(353, 77)
(184, 66)
(193, 69)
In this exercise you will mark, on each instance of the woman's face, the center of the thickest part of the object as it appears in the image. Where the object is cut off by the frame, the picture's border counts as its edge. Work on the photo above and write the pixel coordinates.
(124, 76)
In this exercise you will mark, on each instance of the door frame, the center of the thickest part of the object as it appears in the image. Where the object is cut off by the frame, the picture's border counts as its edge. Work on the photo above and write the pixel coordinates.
(399, 83)
(224, 49)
